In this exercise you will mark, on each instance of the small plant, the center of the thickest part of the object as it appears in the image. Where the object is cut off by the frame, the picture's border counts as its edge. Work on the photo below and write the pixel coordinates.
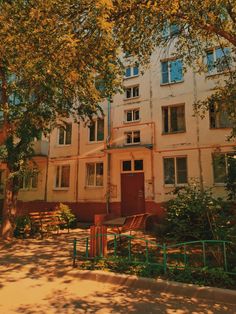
(22, 226)
(65, 215)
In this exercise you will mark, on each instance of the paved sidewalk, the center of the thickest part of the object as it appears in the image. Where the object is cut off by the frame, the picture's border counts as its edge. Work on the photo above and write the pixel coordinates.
(36, 277)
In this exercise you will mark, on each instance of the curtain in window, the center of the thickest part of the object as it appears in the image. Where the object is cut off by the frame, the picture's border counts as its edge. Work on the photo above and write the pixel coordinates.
(100, 129)
(90, 174)
(92, 132)
(169, 170)
(181, 165)
(99, 174)
(68, 133)
(65, 176)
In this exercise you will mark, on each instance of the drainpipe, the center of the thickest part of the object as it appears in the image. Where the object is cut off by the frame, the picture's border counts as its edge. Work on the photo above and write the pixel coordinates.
(198, 133)
(108, 196)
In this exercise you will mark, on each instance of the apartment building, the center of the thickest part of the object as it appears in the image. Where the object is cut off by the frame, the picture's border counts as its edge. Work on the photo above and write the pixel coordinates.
(147, 143)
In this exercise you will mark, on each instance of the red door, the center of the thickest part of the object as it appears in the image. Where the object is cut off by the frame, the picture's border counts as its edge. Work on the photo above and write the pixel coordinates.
(132, 194)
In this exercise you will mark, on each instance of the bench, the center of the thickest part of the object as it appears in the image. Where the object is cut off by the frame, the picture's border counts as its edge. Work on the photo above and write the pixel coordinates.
(129, 223)
(45, 222)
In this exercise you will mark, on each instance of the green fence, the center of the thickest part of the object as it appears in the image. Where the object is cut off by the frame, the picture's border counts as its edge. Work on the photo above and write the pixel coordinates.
(194, 254)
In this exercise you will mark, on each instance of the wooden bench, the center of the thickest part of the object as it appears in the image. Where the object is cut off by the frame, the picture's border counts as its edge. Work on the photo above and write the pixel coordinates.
(45, 222)
(129, 223)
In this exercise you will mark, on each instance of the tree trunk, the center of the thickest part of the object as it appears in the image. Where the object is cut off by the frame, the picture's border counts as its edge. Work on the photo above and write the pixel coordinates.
(9, 209)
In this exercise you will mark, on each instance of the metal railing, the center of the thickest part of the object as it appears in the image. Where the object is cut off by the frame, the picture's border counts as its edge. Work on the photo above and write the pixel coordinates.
(207, 253)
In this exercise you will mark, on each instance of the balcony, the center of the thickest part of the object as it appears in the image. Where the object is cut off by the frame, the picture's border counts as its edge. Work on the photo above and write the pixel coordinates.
(41, 148)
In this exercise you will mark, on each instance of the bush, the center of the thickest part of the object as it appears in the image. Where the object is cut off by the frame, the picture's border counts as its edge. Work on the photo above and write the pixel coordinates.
(22, 226)
(195, 214)
(66, 216)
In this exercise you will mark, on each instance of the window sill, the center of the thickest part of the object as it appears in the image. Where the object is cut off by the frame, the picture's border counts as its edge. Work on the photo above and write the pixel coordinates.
(221, 128)
(175, 185)
(130, 122)
(170, 133)
(63, 145)
(95, 142)
(131, 98)
(171, 83)
(92, 187)
(28, 190)
(61, 189)
(130, 77)
(132, 144)
(219, 184)
(215, 73)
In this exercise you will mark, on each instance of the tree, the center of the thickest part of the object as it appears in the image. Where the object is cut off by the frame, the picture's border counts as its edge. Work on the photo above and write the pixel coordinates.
(202, 25)
(50, 56)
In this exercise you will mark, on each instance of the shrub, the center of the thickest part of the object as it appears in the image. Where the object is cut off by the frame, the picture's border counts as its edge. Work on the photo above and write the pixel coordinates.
(195, 214)
(65, 215)
(22, 226)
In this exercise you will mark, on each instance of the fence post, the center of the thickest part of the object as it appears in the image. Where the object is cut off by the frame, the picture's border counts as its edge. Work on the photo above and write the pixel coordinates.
(115, 246)
(129, 248)
(74, 252)
(164, 258)
(204, 253)
(225, 259)
(147, 255)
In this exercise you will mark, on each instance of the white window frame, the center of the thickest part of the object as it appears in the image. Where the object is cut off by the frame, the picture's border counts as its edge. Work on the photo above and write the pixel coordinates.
(169, 119)
(133, 115)
(214, 70)
(132, 132)
(225, 156)
(216, 115)
(59, 187)
(96, 140)
(94, 185)
(132, 166)
(30, 178)
(63, 128)
(175, 171)
(131, 71)
(132, 92)
(169, 61)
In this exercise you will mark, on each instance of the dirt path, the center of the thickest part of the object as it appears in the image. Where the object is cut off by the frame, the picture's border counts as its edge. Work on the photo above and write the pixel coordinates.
(36, 277)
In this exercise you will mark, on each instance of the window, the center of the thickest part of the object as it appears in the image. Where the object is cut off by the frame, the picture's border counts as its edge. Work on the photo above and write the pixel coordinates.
(132, 92)
(132, 165)
(223, 165)
(132, 137)
(218, 60)
(131, 71)
(96, 131)
(170, 30)
(29, 182)
(175, 170)
(64, 134)
(94, 174)
(62, 179)
(172, 71)
(1, 181)
(219, 117)
(132, 115)
(173, 119)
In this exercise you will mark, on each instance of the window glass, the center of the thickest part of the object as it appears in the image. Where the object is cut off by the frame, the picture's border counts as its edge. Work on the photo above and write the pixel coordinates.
(65, 176)
(135, 91)
(138, 165)
(99, 174)
(90, 174)
(61, 135)
(92, 132)
(136, 70)
(126, 165)
(169, 171)
(136, 115)
(68, 133)
(128, 93)
(181, 167)
(100, 129)
(210, 61)
(219, 168)
(129, 115)
(164, 70)
(128, 72)
(136, 136)
(129, 137)
(176, 71)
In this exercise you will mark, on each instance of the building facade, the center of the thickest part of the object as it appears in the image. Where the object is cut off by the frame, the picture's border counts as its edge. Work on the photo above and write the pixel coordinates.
(147, 143)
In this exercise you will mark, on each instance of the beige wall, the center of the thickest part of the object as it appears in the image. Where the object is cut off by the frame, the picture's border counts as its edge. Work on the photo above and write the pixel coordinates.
(197, 143)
